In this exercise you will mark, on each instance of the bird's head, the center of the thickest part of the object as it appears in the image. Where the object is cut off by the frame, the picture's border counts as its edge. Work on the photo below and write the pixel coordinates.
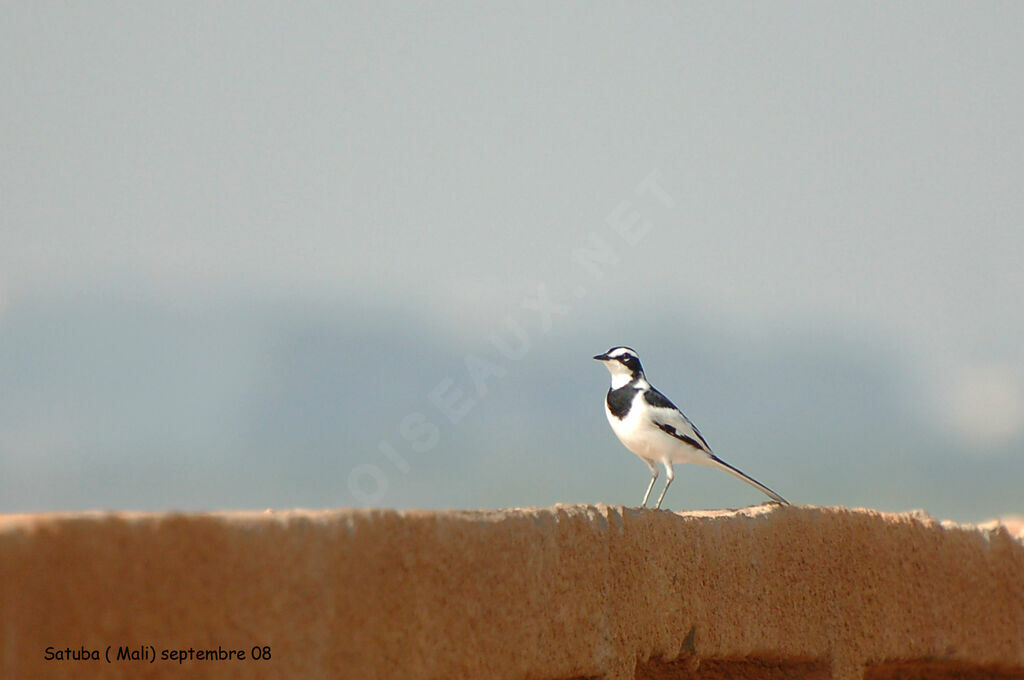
(624, 365)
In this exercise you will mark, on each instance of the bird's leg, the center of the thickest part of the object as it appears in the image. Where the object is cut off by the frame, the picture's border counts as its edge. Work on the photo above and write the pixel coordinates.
(654, 478)
(670, 474)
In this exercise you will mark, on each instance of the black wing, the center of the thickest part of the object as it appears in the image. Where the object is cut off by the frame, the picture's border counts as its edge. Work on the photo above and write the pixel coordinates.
(682, 429)
(683, 437)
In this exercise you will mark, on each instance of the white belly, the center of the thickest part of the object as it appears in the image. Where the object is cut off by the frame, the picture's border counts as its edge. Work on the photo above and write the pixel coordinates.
(643, 438)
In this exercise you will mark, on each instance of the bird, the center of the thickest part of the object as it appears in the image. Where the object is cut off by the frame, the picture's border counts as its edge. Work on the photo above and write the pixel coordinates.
(653, 428)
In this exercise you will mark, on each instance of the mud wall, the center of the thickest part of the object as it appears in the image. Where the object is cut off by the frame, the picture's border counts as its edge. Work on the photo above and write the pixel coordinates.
(545, 594)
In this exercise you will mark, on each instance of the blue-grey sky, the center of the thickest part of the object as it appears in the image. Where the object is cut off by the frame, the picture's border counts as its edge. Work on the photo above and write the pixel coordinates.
(263, 255)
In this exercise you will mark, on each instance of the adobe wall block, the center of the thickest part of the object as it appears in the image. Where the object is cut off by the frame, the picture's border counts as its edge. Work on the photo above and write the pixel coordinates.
(542, 594)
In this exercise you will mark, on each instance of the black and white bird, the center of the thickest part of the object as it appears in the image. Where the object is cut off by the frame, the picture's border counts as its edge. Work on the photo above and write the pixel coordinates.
(651, 426)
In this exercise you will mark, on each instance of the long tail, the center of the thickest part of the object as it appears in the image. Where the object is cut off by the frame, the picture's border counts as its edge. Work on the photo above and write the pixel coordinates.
(749, 480)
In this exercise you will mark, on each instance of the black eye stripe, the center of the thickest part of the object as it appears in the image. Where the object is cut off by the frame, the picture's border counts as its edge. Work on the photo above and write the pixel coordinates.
(624, 356)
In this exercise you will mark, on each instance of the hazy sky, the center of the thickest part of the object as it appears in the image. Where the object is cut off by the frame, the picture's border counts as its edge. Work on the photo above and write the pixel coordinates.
(257, 236)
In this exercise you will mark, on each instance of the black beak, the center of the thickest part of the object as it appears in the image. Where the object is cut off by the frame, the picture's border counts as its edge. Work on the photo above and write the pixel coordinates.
(602, 357)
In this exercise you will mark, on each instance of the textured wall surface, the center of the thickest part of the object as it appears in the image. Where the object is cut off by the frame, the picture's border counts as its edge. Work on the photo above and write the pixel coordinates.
(556, 593)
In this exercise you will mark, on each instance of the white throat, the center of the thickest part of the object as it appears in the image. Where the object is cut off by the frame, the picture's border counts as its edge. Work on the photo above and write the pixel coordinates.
(620, 380)
(620, 374)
